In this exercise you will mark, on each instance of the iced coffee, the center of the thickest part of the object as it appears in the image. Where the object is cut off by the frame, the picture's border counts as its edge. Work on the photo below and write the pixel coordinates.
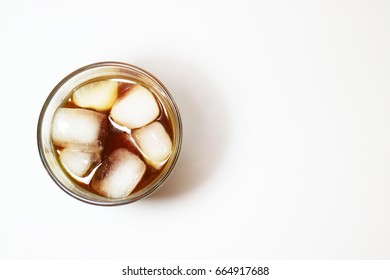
(113, 136)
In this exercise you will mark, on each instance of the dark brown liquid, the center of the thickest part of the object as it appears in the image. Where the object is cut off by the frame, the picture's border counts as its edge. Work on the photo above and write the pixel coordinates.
(113, 138)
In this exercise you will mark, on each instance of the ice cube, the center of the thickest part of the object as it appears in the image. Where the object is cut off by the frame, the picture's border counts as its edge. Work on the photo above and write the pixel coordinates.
(77, 128)
(154, 143)
(99, 95)
(136, 108)
(119, 174)
(78, 163)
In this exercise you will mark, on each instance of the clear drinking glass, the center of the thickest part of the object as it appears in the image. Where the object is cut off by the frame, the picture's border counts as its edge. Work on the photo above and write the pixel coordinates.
(60, 95)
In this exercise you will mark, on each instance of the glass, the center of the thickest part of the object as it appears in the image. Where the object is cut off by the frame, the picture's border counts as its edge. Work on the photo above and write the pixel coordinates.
(61, 94)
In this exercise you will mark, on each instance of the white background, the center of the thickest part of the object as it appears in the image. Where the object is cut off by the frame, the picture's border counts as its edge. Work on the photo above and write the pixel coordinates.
(285, 107)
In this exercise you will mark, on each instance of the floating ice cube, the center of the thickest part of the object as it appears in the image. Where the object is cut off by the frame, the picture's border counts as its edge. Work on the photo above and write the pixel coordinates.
(99, 95)
(118, 175)
(136, 108)
(154, 143)
(77, 128)
(77, 162)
